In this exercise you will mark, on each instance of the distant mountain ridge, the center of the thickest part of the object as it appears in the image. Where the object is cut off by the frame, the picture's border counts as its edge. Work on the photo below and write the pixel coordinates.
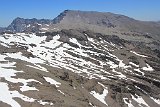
(22, 25)
(90, 20)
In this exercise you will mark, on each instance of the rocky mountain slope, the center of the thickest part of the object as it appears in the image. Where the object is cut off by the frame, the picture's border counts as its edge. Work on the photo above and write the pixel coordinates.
(74, 68)
(98, 22)
(58, 64)
(2, 29)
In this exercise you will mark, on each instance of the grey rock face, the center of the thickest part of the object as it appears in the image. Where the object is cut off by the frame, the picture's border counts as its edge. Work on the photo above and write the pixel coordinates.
(103, 22)
(99, 22)
(27, 25)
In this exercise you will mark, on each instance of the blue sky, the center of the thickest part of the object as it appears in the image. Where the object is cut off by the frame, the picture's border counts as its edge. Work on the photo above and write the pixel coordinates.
(138, 9)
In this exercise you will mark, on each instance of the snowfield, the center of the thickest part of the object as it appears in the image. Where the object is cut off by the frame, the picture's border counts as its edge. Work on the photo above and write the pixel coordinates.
(61, 55)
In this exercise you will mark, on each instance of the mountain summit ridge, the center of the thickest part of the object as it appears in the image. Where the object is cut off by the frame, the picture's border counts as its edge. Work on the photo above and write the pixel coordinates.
(102, 22)
(99, 22)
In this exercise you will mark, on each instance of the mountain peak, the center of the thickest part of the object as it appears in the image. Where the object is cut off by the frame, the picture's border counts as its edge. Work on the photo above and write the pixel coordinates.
(100, 22)
(31, 25)
(18, 18)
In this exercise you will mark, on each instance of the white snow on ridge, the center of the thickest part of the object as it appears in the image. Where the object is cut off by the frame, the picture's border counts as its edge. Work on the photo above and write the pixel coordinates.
(101, 97)
(74, 40)
(24, 82)
(45, 29)
(128, 103)
(38, 67)
(45, 103)
(45, 52)
(138, 70)
(148, 68)
(7, 96)
(119, 74)
(52, 81)
(22, 38)
(156, 100)
(54, 54)
(46, 24)
(28, 25)
(19, 56)
(131, 63)
(122, 65)
(2, 57)
(39, 24)
(90, 39)
(140, 100)
(8, 73)
(138, 54)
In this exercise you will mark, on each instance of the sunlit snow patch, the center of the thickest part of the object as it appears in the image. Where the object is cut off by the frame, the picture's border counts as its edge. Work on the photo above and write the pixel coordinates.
(7, 96)
(101, 97)
(156, 100)
(38, 67)
(45, 103)
(52, 81)
(128, 103)
(138, 70)
(148, 68)
(23, 58)
(138, 54)
(139, 100)
(25, 87)
(133, 64)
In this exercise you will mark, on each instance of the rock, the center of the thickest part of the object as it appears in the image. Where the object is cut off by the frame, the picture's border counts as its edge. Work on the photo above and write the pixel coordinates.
(90, 84)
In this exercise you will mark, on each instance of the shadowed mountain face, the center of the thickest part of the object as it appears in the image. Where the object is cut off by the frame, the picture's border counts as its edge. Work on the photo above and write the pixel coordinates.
(2, 29)
(80, 59)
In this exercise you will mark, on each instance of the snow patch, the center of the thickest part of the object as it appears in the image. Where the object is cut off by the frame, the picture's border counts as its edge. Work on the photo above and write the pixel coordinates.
(23, 58)
(140, 100)
(61, 92)
(7, 96)
(46, 29)
(38, 67)
(100, 97)
(45, 103)
(138, 70)
(131, 63)
(156, 100)
(138, 54)
(28, 25)
(52, 81)
(128, 103)
(148, 68)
